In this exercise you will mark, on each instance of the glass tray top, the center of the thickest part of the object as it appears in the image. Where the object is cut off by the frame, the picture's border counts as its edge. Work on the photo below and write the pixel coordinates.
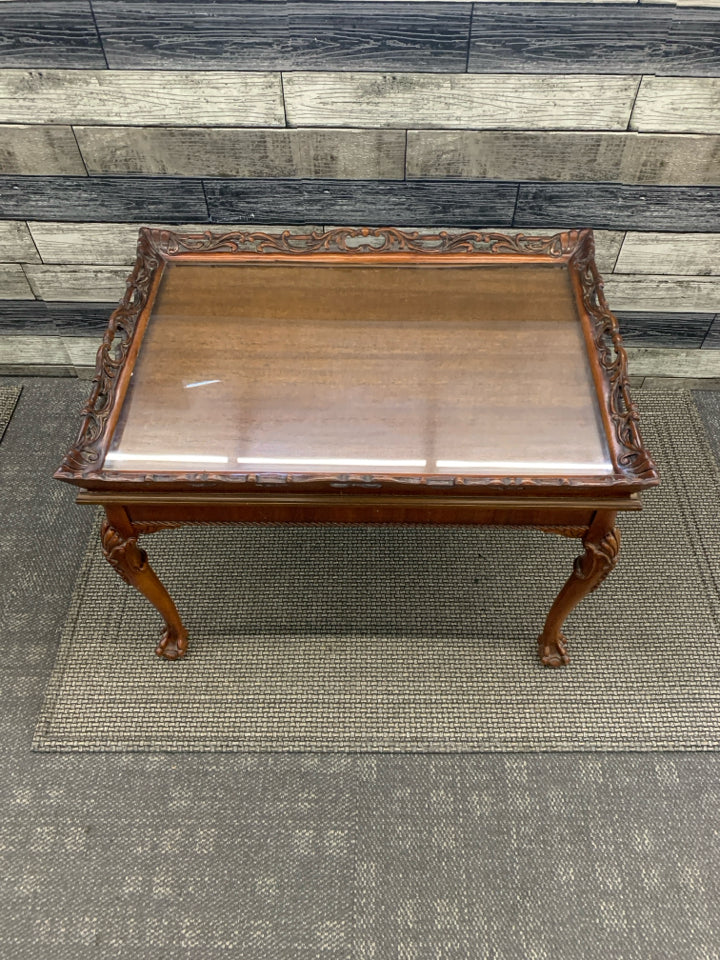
(334, 369)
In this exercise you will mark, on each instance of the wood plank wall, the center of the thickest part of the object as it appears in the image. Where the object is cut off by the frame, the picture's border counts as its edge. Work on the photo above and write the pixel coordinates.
(514, 115)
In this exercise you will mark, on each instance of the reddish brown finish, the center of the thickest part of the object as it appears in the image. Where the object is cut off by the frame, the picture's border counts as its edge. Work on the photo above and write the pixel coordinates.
(119, 416)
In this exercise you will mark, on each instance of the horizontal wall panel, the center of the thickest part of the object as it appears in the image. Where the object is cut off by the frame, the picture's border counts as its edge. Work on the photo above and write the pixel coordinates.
(509, 155)
(25, 317)
(29, 349)
(40, 150)
(82, 350)
(16, 244)
(54, 33)
(102, 198)
(116, 243)
(617, 206)
(686, 330)
(487, 100)
(334, 154)
(460, 203)
(662, 362)
(678, 104)
(81, 283)
(13, 283)
(712, 340)
(659, 293)
(284, 36)
(80, 319)
(145, 97)
(694, 254)
(535, 38)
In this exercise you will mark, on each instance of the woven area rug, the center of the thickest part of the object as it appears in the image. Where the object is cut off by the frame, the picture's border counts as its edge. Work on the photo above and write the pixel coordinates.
(8, 398)
(330, 638)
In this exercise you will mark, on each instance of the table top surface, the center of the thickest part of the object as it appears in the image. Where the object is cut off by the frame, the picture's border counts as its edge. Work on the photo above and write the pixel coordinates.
(297, 367)
(430, 368)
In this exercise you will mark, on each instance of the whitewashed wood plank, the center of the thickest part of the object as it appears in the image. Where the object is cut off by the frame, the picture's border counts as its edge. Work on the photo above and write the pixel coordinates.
(660, 361)
(116, 243)
(88, 284)
(231, 152)
(82, 351)
(30, 349)
(681, 159)
(131, 97)
(690, 254)
(529, 101)
(678, 105)
(663, 293)
(39, 150)
(16, 245)
(13, 283)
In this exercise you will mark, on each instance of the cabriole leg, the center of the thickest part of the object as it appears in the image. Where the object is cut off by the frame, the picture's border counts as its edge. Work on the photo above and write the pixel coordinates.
(120, 546)
(602, 543)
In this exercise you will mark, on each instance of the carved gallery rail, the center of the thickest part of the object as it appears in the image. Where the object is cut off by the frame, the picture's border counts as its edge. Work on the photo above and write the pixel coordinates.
(362, 376)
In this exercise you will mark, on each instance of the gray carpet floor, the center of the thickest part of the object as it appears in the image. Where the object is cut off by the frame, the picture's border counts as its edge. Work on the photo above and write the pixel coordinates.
(527, 856)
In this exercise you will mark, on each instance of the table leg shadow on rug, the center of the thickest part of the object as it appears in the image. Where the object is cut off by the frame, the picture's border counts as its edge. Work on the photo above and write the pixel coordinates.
(326, 638)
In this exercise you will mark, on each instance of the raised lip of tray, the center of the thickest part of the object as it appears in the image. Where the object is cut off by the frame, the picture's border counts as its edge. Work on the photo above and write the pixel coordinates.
(633, 471)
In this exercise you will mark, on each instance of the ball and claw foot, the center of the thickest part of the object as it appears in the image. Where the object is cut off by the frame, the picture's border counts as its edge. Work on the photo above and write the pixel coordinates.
(172, 646)
(554, 653)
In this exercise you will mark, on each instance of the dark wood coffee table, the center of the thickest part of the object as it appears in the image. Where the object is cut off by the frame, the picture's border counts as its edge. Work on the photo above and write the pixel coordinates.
(362, 376)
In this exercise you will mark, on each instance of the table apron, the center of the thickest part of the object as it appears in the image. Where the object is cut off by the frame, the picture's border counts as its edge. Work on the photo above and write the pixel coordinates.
(447, 512)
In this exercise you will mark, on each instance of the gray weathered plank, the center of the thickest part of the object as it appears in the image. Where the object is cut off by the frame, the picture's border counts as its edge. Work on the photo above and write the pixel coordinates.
(231, 152)
(619, 206)
(661, 293)
(82, 350)
(39, 150)
(102, 199)
(693, 254)
(687, 330)
(16, 245)
(532, 38)
(116, 243)
(660, 361)
(54, 33)
(284, 36)
(13, 283)
(132, 97)
(416, 202)
(437, 100)
(527, 155)
(77, 283)
(33, 349)
(677, 105)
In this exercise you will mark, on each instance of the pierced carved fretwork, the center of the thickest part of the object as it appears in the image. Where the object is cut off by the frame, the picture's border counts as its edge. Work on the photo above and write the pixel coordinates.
(633, 458)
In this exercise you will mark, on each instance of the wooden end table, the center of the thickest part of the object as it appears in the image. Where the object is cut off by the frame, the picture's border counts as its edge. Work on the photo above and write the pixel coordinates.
(362, 376)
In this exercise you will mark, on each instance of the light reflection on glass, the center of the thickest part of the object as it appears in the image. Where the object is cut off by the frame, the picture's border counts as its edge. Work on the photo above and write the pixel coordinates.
(331, 462)
(118, 457)
(542, 466)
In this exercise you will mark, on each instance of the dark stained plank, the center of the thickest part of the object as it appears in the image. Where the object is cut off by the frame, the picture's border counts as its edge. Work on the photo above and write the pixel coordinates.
(365, 202)
(712, 340)
(54, 33)
(177, 34)
(583, 38)
(614, 206)
(682, 330)
(25, 316)
(102, 198)
(80, 319)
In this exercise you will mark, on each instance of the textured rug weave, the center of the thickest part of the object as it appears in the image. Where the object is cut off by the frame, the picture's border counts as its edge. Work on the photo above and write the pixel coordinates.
(409, 638)
(8, 398)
